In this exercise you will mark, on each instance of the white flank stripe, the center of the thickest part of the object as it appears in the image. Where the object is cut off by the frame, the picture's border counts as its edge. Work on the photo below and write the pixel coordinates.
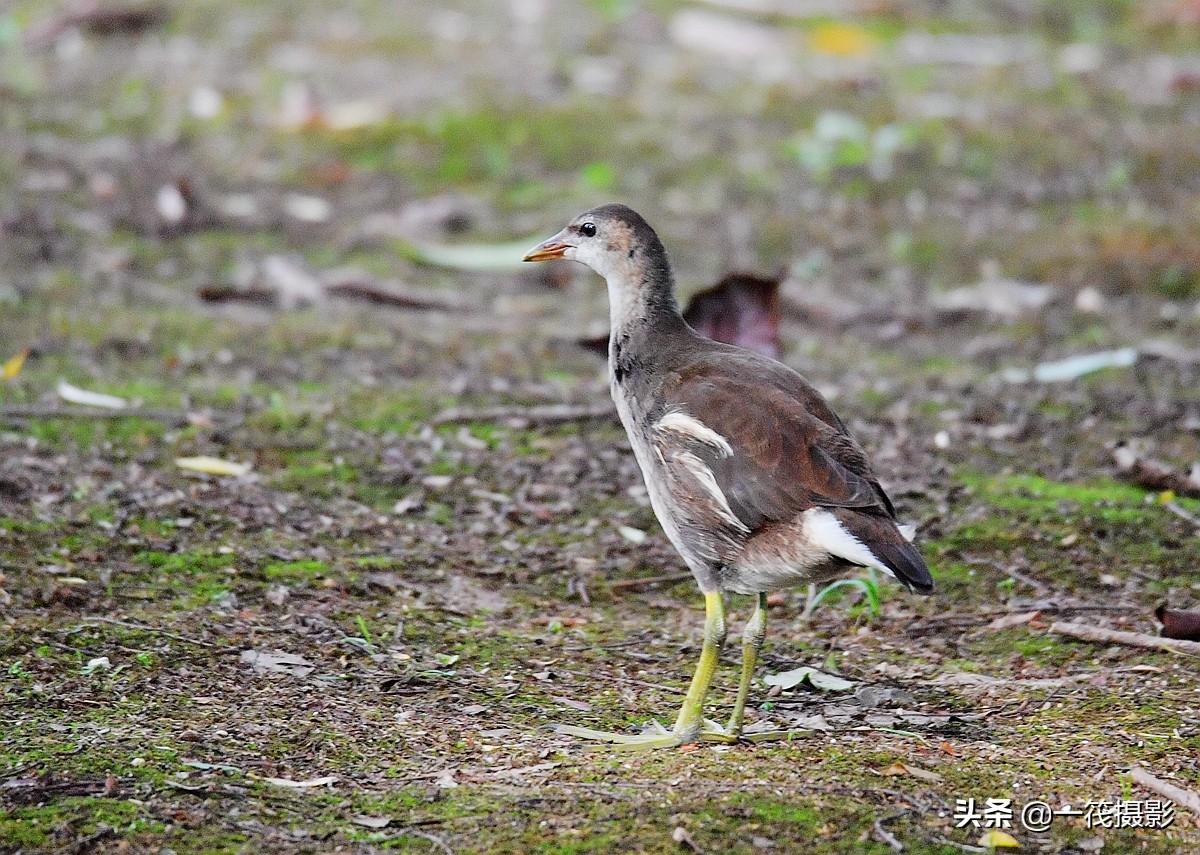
(825, 530)
(908, 532)
(693, 428)
(704, 475)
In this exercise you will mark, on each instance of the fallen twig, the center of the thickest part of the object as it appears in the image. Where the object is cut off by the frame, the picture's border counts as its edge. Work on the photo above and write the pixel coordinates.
(359, 287)
(1130, 639)
(155, 630)
(963, 847)
(634, 681)
(425, 835)
(1182, 513)
(227, 293)
(1154, 474)
(883, 835)
(1181, 797)
(548, 414)
(167, 416)
(638, 584)
(348, 284)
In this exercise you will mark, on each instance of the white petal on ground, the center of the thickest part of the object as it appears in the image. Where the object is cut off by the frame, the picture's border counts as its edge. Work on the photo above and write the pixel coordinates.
(74, 395)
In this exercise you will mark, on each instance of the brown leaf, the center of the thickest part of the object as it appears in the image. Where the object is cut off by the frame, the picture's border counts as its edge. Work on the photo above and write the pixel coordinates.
(102, 19)
(1179, 623)
(742, 309)
(1154, 474)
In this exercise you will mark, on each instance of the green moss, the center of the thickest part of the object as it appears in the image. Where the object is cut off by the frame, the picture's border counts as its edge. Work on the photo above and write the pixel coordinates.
(295, 570)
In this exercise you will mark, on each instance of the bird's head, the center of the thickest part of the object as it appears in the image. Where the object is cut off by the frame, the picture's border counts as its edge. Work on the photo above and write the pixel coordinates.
(613, 240)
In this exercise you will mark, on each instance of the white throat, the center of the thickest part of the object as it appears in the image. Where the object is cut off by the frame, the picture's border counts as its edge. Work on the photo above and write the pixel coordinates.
(624, 303)
(621, 274)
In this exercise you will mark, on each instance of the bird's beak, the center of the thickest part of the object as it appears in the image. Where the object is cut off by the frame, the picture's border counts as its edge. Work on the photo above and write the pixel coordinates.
(548, 249)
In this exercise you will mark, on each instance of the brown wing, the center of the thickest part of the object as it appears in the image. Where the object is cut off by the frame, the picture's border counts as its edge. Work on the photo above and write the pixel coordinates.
(786, 456)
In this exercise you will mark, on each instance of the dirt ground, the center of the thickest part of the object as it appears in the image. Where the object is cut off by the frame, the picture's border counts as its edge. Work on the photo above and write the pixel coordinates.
(357, 644)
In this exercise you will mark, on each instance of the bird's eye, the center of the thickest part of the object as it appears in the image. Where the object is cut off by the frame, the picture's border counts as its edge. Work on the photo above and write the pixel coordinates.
(588, 229)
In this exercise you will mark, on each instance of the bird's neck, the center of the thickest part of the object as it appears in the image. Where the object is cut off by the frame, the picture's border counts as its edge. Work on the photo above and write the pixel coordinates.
(642, 296)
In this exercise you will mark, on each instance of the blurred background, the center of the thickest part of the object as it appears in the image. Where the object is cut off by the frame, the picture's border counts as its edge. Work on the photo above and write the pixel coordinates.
(260, 287)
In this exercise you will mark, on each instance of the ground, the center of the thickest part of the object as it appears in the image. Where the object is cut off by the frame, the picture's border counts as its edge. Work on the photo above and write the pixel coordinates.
(357, 646)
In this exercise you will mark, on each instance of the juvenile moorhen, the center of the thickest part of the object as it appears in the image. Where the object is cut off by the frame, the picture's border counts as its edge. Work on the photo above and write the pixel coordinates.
(755, 480)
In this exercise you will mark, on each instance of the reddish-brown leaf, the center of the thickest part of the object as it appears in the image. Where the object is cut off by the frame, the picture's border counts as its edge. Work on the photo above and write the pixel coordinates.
(1179, 623)
(742, 309)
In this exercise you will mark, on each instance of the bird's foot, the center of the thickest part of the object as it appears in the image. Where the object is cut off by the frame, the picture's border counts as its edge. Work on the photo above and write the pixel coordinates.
(654, 736)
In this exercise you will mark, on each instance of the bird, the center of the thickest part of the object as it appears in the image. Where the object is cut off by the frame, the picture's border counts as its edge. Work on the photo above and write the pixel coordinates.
(753, 477)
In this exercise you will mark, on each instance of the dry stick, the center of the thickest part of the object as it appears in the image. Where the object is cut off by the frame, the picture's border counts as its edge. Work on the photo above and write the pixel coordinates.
(155, 630)
(885, 836)
(1182, 797)
(638, 584)
(1130, 639)
(432, 838)
(167, 416)
(633, 681)
(545, 415)
(173, 418)
(1182, 513)
(382, 295)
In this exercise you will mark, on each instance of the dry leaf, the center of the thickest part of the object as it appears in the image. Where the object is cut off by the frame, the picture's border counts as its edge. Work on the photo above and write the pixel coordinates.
(487, 257)
(1179, 623)
(994, 838)
(265, 661)
(906, 769)
(634, 535)
(353, 115)
(1010, 621)
(923, 774)
(684, 838)
(13, 367)
(293, 286)
(818, 680)
(838, 39)
(74, 395)
(742, 309)
(213, 466)
(1154, 474)
(583, 706)
(371, 821)
(535, 769)
(302, 785)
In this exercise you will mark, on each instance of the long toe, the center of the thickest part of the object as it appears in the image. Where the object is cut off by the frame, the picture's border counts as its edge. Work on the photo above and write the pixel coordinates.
(657, 737)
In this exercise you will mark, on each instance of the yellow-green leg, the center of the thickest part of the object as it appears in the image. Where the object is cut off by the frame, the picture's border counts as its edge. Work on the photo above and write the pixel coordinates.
(752, 641)
(691, 725)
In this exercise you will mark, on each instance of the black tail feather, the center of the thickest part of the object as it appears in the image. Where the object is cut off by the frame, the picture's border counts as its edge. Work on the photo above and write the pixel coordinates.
(882, 537)
(907, 564)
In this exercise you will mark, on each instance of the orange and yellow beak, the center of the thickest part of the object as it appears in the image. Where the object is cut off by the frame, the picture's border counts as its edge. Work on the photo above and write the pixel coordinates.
(548, 249)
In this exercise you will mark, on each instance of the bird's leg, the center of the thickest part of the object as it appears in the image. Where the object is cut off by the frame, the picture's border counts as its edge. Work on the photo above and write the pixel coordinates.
(691, 725)
(752, 641)
(691, 717)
